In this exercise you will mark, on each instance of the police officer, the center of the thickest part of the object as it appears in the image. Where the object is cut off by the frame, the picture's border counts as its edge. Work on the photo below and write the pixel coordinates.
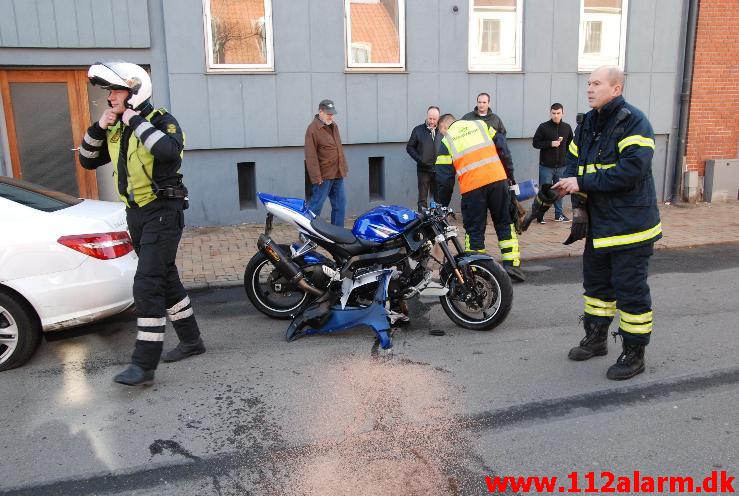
(609, 174)
(145, 146)
(484, 169)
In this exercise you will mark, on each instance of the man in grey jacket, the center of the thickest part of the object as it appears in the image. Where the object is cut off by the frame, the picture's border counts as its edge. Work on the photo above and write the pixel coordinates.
(483, 113)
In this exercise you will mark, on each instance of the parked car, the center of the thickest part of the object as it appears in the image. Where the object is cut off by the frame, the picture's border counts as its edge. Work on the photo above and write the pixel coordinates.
(63, 262)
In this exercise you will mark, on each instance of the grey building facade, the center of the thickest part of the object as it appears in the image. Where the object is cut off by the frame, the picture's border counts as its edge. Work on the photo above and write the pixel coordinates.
(245, 130)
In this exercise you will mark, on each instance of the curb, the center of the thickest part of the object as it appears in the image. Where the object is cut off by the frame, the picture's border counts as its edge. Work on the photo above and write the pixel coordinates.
(204, 286)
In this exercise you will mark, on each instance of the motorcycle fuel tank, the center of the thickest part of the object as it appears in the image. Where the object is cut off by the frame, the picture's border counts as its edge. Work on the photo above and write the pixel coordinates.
(383, 222)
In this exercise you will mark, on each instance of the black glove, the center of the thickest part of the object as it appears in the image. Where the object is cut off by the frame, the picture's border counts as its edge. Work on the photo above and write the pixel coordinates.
(518, 214)
(579, 229)
(545, 198)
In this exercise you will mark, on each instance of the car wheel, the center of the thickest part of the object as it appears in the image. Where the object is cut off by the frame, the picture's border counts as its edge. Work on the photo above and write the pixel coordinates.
(20, 332)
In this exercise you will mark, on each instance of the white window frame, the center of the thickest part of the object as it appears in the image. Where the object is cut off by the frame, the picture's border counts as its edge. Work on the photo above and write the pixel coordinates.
(348, 42)
(582, 58)
(269, 66)
(496, 63)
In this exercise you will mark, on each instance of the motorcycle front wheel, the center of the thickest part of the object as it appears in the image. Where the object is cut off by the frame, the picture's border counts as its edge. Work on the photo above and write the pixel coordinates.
(490, 303)
(269, 292)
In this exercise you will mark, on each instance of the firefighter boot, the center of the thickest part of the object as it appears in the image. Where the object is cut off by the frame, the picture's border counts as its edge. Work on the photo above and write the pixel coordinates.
(184, 350)
(629, 363)
(515, 273)
(134, 375)
(595, 342)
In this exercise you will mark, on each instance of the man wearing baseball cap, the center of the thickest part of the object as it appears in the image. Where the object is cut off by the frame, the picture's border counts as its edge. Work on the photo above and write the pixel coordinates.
(326, 163)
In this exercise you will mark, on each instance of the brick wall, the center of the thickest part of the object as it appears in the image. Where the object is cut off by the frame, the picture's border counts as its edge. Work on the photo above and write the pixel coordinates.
(713, 128)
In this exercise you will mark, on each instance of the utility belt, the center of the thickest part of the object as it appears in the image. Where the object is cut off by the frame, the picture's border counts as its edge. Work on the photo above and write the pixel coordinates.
(178, 192)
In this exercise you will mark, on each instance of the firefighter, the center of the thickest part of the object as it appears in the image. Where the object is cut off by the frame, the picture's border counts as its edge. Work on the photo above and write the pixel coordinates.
(484, 170)
(145, 146)
(609, 175)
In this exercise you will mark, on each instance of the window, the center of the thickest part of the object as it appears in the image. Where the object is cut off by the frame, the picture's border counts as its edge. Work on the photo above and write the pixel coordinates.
(593, 34)
(35, 196)
(361, 53)
(238, 35)
(247, 185)
(376, 178)
(496, 28)
(490, 42)
(602, 33)
(375, 34)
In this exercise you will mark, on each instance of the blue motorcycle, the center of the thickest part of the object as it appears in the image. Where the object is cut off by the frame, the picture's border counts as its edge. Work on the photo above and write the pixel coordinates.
(371, 271)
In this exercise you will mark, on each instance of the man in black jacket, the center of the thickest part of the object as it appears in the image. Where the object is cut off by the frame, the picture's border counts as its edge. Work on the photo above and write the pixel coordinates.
(423, 146)
(552, 139)
(483, 113)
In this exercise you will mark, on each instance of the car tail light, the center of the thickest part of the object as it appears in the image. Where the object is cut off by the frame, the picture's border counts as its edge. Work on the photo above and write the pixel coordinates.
(103, 246)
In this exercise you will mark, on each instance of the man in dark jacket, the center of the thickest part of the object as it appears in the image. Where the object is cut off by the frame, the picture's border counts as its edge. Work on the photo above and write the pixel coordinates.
(423, 146)
(609, 174)
(483, 113)
(325, 163)
(552, 139)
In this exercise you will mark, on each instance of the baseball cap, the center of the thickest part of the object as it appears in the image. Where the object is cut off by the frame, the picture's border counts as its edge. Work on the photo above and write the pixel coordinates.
(327, 106)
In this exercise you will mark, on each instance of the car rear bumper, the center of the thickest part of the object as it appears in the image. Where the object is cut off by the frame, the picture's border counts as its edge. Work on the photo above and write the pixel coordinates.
(94, 290)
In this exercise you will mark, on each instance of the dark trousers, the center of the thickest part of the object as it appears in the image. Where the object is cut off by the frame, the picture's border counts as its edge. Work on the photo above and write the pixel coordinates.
(550, 175)
(426, 187)
(617, 280)
(445, 177)
(476, 204)
(156, 229)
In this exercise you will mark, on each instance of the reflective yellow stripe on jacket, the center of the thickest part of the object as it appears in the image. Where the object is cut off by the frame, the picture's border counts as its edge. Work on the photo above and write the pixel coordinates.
(628, 239)
(591, 168)
(573, 148)
(637, 140)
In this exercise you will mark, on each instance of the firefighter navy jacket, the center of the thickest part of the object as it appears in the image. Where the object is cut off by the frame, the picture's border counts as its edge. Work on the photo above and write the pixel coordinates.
(611, 156)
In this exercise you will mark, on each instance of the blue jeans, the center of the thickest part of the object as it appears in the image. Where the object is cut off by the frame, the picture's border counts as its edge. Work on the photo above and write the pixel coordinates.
(333, 189)
(550, 175)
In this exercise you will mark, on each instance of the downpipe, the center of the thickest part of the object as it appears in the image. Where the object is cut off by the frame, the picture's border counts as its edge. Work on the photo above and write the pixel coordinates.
(285, 266)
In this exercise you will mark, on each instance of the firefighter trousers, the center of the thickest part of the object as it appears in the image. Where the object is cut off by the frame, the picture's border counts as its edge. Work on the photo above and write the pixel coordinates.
(617, 280)
(476, 204)
(156, 229)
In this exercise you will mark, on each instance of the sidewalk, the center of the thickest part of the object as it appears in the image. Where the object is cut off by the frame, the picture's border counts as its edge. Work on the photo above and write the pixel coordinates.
(216, 256)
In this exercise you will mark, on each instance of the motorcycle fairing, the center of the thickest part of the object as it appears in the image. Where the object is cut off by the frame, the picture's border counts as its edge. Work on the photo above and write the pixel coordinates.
(373, 315)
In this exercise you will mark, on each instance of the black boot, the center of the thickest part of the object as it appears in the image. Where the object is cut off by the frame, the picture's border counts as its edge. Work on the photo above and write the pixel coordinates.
(184, 350)
(515, 273)
(135, 376)
(629, 363)
(595, 342)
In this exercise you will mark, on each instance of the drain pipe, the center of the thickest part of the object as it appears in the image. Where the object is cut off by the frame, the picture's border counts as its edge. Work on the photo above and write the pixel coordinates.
(682, 132)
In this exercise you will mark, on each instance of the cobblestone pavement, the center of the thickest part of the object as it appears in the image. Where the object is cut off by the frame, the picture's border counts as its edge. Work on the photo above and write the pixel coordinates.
(216, 256)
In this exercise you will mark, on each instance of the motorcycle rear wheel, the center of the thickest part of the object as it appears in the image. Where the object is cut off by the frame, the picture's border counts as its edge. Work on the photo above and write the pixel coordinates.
(495, 289)
(258, 277)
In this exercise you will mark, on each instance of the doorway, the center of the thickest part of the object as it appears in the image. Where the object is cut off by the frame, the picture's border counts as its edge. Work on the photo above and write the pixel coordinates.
(47, 113)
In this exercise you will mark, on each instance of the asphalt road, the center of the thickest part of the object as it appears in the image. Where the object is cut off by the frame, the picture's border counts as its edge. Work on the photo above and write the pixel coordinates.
(257, 415)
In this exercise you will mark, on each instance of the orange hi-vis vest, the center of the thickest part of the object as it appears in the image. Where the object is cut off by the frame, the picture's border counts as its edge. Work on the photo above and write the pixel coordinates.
(474, 154)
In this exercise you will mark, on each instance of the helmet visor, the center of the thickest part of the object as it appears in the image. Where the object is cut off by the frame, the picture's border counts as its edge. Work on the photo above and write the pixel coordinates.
(106, 85)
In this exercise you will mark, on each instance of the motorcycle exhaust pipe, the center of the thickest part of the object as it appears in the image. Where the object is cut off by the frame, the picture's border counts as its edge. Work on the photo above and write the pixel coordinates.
(285, 266)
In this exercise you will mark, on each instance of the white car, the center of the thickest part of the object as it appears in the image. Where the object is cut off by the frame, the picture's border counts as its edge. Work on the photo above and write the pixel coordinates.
(63, 262)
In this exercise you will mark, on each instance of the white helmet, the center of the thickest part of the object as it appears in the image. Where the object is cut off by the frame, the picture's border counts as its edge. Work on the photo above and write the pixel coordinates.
(122, 76)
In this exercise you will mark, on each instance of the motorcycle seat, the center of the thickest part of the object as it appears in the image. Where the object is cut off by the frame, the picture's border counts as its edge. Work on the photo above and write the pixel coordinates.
(343, 237)
(332, 232)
